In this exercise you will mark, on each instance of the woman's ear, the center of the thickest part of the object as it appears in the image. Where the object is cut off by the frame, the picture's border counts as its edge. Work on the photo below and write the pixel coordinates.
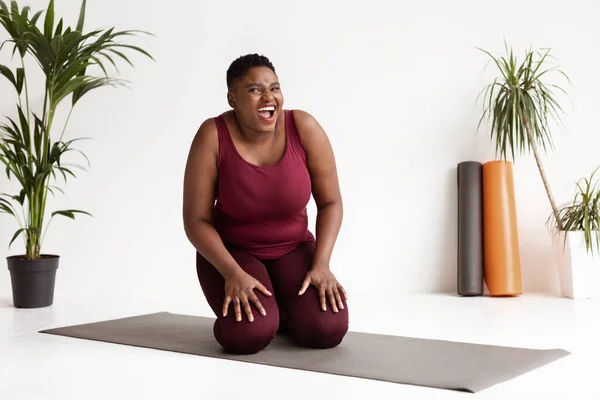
(231, 99)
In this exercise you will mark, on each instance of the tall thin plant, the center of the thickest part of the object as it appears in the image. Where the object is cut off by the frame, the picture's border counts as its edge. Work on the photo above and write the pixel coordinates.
(520, 104)
(28, 150)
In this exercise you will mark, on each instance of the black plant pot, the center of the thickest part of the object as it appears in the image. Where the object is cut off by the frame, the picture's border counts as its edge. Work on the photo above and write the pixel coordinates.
(33, 280)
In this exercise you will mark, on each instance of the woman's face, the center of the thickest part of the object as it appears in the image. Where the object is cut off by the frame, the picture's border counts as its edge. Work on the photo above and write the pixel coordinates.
(257, 99)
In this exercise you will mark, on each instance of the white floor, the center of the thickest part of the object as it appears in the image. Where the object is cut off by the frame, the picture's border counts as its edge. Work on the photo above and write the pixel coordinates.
(37, 366)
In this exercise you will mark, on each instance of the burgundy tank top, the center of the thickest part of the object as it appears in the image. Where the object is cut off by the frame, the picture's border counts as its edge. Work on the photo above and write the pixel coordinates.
(262, 209)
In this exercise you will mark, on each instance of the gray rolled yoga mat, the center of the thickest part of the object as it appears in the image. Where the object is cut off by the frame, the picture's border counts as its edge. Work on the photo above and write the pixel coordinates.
(422, 362)
(470, 229)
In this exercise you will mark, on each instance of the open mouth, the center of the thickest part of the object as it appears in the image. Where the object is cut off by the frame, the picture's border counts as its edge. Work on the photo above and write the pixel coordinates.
(267, 112)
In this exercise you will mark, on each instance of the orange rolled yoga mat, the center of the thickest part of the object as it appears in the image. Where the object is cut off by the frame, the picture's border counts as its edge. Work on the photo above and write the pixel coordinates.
(502, 261)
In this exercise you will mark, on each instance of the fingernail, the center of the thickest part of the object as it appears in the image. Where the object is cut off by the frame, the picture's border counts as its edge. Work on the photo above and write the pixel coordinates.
(342, 306)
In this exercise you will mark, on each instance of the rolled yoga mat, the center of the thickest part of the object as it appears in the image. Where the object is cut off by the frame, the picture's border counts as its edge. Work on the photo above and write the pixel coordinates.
(470, 229)
(405, 360)
(502, 263)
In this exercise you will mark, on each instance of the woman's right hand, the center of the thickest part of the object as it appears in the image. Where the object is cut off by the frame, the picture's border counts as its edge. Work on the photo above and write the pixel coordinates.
(239, 290)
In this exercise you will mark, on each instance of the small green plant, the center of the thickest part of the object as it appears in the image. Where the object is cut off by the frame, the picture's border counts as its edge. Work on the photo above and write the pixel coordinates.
(583, 213)
(28, 150)
(520, 104)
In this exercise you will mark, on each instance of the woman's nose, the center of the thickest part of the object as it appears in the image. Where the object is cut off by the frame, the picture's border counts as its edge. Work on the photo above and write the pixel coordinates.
(267, 95)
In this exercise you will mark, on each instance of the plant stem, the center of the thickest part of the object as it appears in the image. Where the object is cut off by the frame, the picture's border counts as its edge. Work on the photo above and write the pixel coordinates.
(543, 174)
(43, 211)
(45, 230)
(66, 123)
(44, 193)
(30, 133)
(44, 109)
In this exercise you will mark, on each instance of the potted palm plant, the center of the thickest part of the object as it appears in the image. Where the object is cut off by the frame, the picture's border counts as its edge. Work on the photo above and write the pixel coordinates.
(577, 243)
(520, 103)
(31, 147)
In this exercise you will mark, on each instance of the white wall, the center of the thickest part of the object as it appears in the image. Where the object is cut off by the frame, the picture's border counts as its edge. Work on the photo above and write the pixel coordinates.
(393, 83)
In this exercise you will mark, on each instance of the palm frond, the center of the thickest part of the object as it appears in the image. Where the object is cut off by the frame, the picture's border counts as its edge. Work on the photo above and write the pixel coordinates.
(520, 107)
(519, 98)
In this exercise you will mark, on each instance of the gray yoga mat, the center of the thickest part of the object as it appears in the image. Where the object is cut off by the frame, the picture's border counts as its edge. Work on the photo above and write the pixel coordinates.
(404, 360)
(470, 229)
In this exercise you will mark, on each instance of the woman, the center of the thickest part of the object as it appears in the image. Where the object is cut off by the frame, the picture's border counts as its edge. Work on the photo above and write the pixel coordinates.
(249, 176)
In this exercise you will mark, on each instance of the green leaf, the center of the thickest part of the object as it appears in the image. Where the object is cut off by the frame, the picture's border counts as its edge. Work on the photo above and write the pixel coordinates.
(20, 198)
(49, 21)
(92, 84)
(6, 207)
(20, 79)
(4, 70)
(38, 136)
(52, 188)
(25, 132)
(136, 48)
(67, 74)
(70, 213)
(81, 19)
(120, 54)
(16, 235)
(59, 28)
(36, 17)
(25, 12)
(68, 171)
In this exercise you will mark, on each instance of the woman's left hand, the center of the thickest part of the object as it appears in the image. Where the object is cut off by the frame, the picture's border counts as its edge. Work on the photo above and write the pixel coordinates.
(327, 286)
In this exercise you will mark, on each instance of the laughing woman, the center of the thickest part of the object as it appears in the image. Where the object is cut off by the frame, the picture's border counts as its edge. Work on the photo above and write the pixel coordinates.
(249, 176)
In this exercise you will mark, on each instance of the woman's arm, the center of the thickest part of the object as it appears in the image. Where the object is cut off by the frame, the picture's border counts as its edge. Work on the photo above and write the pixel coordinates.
(198, 201)
(326, 189)
(199, 198)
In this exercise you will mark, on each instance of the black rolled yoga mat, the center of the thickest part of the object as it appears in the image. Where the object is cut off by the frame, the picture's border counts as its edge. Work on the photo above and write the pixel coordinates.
(470, 229)
(405, 360)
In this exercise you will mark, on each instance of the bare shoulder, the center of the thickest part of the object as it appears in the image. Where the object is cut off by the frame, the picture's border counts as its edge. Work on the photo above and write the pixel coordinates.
(316, 143)
(308, 126)
(206, 138)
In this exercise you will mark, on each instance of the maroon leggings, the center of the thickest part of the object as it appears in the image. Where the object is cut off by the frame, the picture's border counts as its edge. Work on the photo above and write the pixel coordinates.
(299, 316)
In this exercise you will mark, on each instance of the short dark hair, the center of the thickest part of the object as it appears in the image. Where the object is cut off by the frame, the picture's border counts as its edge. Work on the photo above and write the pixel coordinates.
(243, 64)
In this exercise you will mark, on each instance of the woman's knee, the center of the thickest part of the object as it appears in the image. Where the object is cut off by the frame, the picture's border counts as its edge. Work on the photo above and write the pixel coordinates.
(246, 337)
(320, 330)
